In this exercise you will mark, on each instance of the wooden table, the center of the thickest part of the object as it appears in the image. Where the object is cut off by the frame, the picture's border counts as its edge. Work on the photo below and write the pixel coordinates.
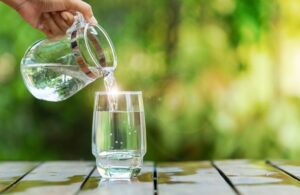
(205, 177)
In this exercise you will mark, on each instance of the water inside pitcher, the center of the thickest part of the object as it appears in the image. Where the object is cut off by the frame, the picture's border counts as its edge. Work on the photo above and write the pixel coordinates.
(55, 69)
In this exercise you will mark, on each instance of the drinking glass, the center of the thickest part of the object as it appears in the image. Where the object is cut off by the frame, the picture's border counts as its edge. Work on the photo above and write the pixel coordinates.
(119, 134)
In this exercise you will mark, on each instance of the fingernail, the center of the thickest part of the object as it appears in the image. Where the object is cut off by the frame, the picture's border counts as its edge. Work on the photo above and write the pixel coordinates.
(93, 20)
(41, 27)
(64, 16)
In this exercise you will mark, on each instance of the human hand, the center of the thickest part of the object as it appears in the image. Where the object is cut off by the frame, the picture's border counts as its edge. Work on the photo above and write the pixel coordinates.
(53, 17)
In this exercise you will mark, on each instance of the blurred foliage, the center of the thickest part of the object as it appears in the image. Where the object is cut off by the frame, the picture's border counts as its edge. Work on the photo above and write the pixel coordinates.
(219, 80)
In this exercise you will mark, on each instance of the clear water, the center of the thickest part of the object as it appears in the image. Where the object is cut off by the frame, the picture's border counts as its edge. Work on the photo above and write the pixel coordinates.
(111, 87)
(54, 82)
(110, 82)
(119, 164)
(118, 143)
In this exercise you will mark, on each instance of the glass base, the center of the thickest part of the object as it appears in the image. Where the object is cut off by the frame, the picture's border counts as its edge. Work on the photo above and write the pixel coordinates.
(118, 172)
(119, 164)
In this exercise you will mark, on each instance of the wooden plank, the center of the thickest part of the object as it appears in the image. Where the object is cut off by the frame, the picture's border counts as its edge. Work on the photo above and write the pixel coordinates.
(11, 172)
(290, 167)
(64, 177)
(191, 178)
(257, 177)
(143, 184)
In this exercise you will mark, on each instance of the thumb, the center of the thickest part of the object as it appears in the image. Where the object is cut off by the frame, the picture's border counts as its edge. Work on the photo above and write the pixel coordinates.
(84, 8)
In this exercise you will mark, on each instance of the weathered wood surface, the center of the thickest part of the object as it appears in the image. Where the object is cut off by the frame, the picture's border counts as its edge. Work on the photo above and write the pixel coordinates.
(258, 177)
(292, 168)
(143, 184)
(11, 172)
(53, 178)
(191, 178)
(218, 177)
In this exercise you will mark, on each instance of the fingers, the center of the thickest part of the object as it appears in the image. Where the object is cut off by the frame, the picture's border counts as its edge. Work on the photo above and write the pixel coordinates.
(83, 8)
(48, 21)
(59, 21)
(55, 23)
(68, 17)
(45, 30)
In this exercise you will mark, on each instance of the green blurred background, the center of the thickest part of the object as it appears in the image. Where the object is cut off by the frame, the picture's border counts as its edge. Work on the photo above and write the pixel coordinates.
(220, 79)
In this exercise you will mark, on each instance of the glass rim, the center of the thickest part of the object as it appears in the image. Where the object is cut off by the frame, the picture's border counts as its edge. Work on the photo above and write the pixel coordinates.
(119, 93)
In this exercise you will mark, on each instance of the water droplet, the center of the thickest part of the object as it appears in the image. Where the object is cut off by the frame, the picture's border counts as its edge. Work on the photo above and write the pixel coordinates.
(121, 142)
(116, 142)
(110, 134)
(129, 133)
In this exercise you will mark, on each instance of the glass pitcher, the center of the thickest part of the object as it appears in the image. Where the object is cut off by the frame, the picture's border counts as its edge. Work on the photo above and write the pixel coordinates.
(55, 69)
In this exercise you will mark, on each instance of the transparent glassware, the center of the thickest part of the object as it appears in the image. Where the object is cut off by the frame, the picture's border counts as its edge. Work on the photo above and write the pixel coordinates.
(119, 134)
(55, 69)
